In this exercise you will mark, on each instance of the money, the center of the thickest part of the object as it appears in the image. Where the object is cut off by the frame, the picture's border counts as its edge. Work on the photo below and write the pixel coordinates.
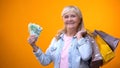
(34, 29)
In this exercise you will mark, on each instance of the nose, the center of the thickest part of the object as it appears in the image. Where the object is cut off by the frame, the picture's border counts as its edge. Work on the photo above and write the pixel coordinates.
(69, 19)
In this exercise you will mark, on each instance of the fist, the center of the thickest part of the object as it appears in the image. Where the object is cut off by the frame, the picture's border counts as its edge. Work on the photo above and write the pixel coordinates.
(81, 34)
(32, 39)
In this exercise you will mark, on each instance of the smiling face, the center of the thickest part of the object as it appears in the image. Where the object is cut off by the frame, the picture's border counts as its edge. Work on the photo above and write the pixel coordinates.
(71, 20)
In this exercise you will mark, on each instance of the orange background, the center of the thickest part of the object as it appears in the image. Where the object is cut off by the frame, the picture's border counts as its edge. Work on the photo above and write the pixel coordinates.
(15, 52)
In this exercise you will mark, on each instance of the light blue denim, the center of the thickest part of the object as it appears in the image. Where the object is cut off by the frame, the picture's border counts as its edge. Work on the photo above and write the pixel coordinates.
(80, 52)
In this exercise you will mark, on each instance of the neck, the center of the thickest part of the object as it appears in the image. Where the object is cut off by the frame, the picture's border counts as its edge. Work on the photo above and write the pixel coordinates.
(71, 32)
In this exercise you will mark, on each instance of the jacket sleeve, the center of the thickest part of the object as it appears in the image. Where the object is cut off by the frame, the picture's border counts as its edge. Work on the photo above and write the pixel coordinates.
(85, 48)
(46, 58)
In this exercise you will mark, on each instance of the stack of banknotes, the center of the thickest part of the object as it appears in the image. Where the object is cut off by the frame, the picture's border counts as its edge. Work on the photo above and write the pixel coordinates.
(34, 29)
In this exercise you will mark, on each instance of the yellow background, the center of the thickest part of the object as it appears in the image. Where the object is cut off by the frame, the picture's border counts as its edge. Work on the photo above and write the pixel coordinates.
(15, 52)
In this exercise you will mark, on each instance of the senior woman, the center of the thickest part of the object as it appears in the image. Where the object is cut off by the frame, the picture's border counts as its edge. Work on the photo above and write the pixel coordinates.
(69, 48)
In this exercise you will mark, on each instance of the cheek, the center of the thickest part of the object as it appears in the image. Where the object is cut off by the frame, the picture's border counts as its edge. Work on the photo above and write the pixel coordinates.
(64, 21)
(77, 20)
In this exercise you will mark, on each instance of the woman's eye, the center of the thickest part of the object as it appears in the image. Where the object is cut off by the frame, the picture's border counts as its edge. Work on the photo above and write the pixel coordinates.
(73, 15)
(66, 16)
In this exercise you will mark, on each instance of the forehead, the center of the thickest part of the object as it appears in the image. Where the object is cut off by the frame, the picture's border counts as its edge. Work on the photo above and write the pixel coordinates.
(70, 13)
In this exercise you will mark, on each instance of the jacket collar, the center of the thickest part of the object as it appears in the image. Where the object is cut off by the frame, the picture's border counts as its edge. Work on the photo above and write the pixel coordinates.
(62, 36)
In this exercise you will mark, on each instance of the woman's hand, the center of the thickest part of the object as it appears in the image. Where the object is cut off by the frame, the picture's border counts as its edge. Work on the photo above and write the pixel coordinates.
(31, 40)
(81, 34)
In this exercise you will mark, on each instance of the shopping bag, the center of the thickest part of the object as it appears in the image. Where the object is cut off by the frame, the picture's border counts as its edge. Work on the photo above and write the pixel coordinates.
(96, 60)
(105, 50)
(110, 40)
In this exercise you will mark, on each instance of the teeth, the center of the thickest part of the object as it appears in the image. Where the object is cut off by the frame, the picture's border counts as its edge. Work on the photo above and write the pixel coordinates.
(70, 23)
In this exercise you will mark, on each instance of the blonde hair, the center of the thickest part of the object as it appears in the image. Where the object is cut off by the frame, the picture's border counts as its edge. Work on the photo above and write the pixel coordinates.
(78, 12)
(74, 9)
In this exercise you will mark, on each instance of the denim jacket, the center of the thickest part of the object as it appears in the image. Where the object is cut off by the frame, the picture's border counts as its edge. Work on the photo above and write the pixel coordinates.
(80, 52)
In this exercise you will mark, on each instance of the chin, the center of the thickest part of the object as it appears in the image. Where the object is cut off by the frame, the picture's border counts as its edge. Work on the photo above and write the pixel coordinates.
(70, 27)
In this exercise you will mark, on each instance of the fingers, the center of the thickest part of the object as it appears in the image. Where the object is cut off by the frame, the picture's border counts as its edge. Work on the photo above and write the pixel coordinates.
(81, 34)
(32, 39)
